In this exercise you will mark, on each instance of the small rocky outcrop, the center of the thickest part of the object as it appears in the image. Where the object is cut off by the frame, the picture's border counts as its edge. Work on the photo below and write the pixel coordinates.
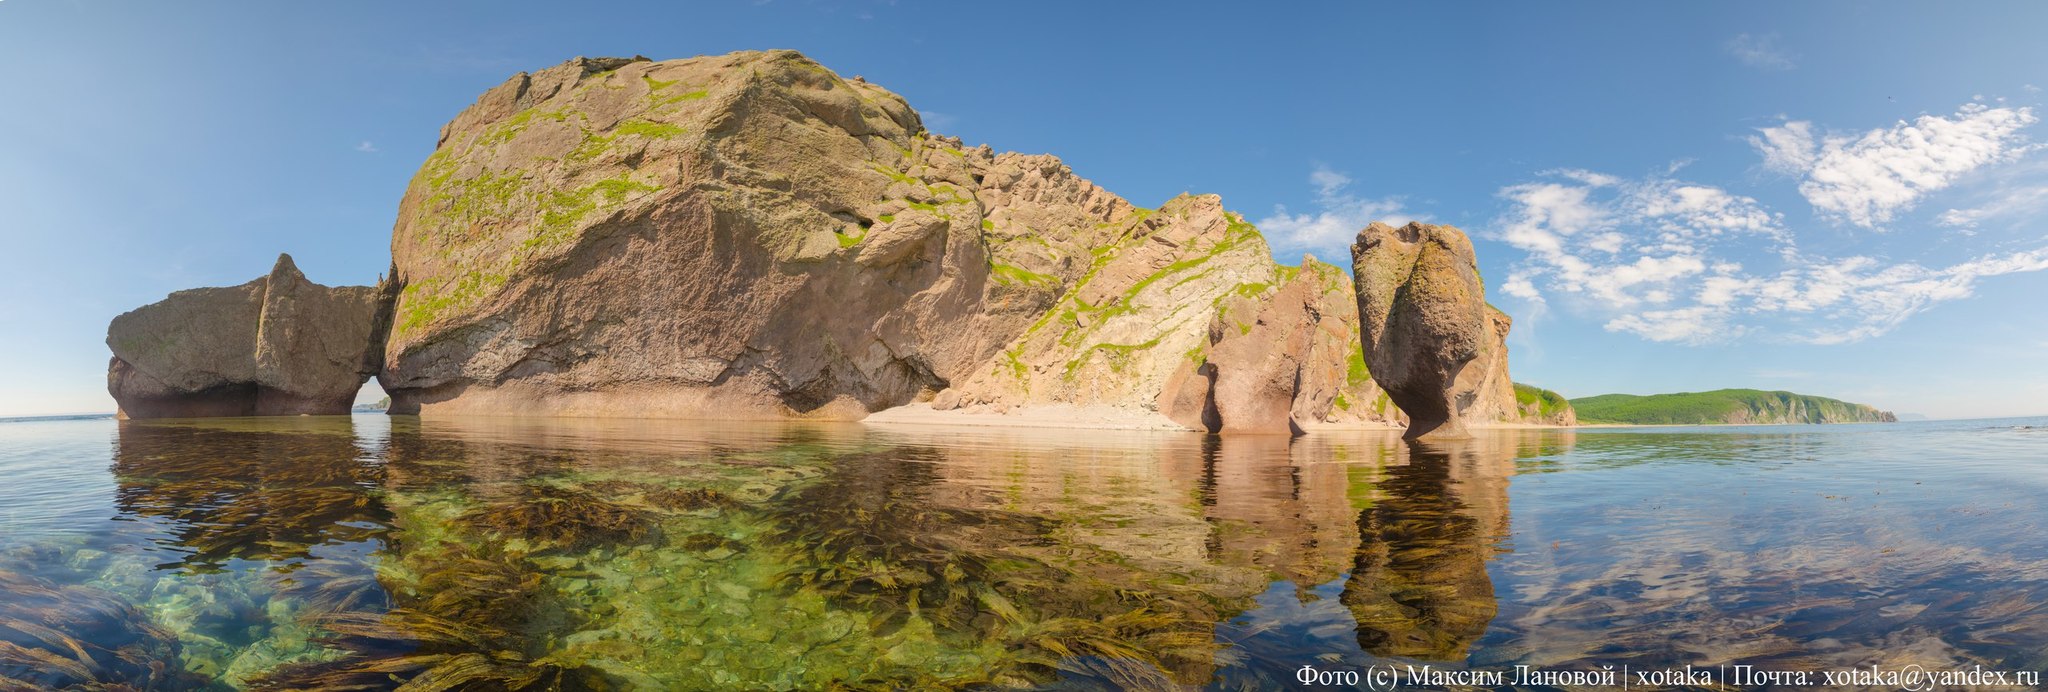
(1425, 328)
(278, 345)
(1541, 406)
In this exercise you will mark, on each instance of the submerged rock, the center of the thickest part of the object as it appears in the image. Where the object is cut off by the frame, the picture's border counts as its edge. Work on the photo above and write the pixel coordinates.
(1423, 320)
(278, 345)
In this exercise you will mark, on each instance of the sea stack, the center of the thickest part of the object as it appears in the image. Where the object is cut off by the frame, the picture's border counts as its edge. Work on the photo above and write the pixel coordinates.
(278, 345)
(1423, 319)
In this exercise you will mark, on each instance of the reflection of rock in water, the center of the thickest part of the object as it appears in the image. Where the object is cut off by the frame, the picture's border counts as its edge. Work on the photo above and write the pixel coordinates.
(1418, 587)
(1274, 508)
(256, 494)
(877, 534)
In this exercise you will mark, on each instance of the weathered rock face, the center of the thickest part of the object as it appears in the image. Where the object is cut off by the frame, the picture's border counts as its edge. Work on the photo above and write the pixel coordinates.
(279, 345)
(745, 235)
(1278, 360)
(1424, 322)
(750, 235)
(1139, 310)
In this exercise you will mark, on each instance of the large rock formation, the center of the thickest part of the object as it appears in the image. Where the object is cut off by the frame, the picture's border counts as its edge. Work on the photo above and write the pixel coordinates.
(1428, 334)
(279, 345)
(1277, 360)
(751, 235)
(738, 236)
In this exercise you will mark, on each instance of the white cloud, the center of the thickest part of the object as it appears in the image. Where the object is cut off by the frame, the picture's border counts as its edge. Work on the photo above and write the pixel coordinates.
(1658, 256)
(1692, 325)
(366, 147)
(1760, 51)
(1788, 148)
(1624, 242)
(1867, 179)
(1520, 286)
(1960, 218)
(1338, 217)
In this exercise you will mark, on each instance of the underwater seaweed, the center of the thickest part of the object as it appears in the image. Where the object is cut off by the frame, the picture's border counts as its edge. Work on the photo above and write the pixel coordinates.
(870, 537)
(550, 516)
(459, 625)
(1418, 586)
(77, 637)
(333, 586)
(235, 494)
(684, 499)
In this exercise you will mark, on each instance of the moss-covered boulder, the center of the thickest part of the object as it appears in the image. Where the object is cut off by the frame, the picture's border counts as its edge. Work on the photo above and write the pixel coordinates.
(278, 345)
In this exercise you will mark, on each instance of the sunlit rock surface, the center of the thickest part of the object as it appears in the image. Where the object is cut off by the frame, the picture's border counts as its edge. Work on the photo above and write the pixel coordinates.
(279, 345)
(753, 235)
(1428, 334)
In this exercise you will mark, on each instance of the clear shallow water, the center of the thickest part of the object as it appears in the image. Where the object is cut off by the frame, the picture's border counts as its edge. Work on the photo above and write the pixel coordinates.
(305, 552)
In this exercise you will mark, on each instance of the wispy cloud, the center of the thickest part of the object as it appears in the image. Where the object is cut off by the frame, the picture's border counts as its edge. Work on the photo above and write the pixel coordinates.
(1659, 257)
(366, 147)
(1338, 216)
(2027, 202)
(938, 122)
(1867, 179)
(1760, 51)
(2016, 198)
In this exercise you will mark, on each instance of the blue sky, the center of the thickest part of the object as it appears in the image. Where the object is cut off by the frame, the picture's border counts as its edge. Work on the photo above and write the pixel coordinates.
(1832, 198)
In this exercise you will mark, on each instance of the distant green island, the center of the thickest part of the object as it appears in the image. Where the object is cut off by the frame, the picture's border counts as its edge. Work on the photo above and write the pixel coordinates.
(1724, 406)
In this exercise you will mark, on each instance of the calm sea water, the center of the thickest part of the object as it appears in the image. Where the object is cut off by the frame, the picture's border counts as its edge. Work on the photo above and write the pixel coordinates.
(329, 552)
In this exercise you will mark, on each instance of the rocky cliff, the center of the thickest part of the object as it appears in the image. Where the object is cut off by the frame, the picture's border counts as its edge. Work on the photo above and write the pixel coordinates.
(738, 236)
(278, 345)
(753, 236)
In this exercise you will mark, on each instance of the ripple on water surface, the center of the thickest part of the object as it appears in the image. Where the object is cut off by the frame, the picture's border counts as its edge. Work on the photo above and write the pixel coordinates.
(507, 553)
